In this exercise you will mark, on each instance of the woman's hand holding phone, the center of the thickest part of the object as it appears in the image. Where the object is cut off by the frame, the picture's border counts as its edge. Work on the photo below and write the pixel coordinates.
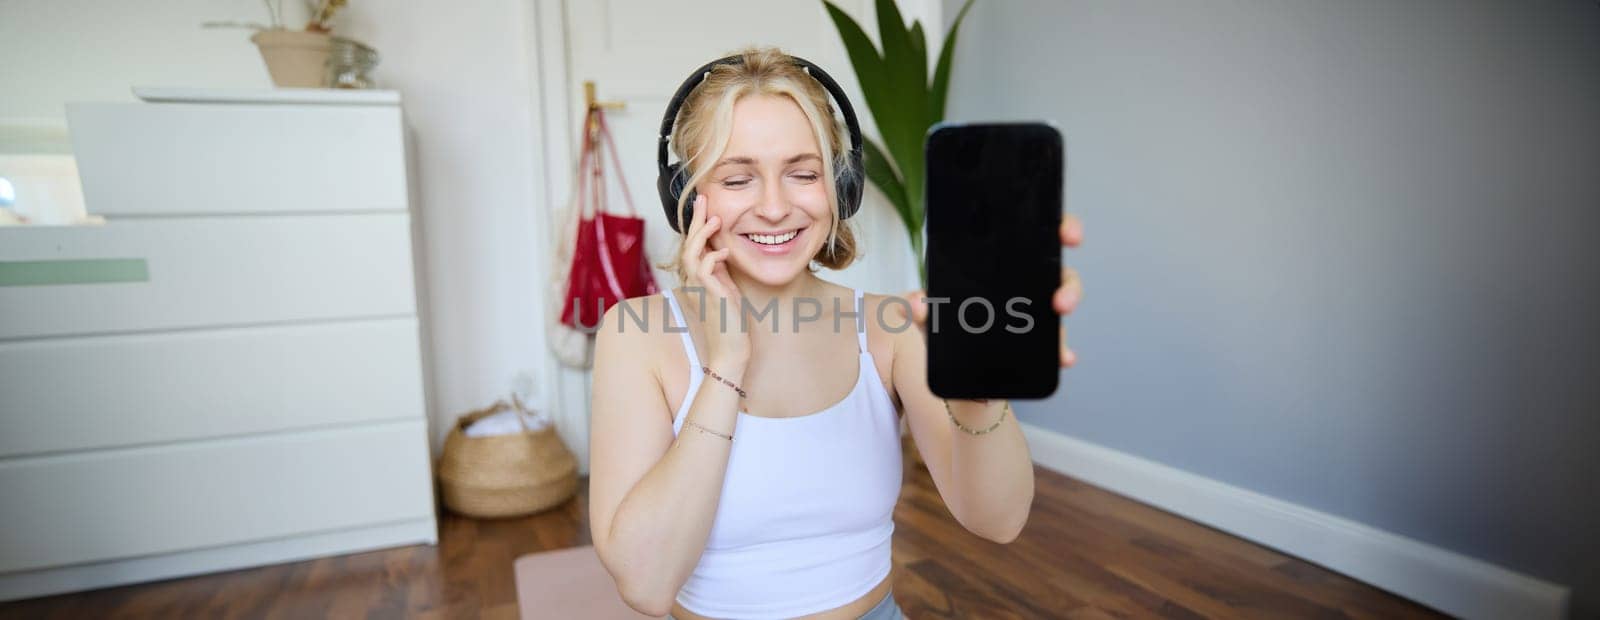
(707, 268)
(1064, 301)
(1066, 298)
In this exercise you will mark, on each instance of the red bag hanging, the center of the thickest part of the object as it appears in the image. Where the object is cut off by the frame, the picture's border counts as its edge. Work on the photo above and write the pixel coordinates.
(608, 258)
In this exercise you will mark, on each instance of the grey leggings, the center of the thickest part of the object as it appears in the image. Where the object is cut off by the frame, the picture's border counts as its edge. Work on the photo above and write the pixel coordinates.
(886, 609)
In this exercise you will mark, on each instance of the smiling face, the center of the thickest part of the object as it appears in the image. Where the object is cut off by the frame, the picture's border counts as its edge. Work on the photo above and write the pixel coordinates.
(768, 187)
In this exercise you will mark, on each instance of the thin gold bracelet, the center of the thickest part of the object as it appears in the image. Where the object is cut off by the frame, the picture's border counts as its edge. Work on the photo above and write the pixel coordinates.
(969, 431)
(697, 425)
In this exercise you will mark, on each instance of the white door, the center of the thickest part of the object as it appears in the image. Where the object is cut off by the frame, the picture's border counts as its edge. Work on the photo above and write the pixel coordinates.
(637, 52)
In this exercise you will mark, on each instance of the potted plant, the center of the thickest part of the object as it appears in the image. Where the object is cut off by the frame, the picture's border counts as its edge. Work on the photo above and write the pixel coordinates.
(295, 58)
(903, 101)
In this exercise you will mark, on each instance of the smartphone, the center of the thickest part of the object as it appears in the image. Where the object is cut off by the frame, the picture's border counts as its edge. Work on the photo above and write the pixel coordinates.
(993, 220)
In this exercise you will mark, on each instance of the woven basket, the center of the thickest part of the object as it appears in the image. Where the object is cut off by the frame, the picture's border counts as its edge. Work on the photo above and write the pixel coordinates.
(505, 475)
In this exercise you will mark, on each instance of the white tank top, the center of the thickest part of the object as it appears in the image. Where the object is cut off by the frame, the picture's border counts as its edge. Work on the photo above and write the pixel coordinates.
(807, 507)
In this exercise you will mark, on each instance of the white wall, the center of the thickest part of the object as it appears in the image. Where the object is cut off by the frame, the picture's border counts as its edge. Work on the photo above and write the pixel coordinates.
(464, 70)
(53, 51)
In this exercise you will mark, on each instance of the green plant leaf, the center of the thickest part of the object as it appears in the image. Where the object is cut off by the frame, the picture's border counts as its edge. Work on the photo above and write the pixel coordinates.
(941, 73)
(864, 58)
(882, 174)
(892, 33)
(903, 103)
(904, 127)
(919, 48)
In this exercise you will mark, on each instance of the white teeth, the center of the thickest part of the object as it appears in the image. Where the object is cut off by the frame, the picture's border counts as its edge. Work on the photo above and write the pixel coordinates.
(773, 239)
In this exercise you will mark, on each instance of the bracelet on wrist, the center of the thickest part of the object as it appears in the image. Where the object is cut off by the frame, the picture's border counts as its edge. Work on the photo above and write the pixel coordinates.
(1003, 411)
(707, 430)
(736, 388)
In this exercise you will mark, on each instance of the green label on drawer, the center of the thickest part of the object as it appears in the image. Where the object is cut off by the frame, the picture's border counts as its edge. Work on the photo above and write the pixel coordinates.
(78, 271)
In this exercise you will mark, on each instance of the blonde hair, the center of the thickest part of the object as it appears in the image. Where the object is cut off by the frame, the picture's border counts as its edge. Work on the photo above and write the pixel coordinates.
(704, 127)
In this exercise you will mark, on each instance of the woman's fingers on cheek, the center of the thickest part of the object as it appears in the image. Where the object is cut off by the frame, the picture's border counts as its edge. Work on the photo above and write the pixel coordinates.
(708, 268)
(712, 225)
(708, 265)
(719, 271)
(697, 214)
(707, 262)
(701, 215)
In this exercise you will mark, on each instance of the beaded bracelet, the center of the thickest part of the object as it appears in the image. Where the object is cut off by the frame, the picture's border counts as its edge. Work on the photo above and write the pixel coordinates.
(726, 382)
(969, 431)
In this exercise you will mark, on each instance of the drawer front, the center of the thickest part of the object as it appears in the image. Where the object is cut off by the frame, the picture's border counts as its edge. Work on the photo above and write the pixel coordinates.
(105, 391)
(204, 272)
(147, 159)
(63, 510)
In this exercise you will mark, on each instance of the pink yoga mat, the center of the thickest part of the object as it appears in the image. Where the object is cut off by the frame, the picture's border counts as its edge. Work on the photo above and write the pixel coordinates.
(569, 583)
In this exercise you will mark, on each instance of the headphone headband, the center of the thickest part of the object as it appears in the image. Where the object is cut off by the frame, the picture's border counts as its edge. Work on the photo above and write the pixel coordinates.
(670, 184)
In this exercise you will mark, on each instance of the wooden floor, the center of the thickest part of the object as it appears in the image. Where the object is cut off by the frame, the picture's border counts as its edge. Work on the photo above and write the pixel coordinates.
(1085, 553)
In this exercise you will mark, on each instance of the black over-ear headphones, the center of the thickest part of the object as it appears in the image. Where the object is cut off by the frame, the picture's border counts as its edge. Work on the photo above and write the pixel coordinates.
(670, 181)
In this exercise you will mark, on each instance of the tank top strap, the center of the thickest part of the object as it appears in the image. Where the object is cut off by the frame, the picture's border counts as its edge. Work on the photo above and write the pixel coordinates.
(861, 322)
(688, 342)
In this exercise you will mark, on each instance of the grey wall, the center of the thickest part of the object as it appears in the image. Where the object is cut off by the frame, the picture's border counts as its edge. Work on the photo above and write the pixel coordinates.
(1340, 253)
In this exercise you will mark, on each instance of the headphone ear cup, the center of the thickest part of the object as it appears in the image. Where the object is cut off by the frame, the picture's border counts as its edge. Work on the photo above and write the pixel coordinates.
(849, 188)
(688, 209)
(669, 184)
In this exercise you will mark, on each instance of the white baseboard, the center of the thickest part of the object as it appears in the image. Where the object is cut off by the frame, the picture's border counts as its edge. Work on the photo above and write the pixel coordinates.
(30, 584)
(1436, 577)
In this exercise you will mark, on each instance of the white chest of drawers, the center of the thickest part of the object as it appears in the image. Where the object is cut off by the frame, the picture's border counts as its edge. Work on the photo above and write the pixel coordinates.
(228, 372)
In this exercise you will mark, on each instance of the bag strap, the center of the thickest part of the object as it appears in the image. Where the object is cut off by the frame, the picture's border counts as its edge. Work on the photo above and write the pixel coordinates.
(622, 180)
(591, 173)
(606, 266)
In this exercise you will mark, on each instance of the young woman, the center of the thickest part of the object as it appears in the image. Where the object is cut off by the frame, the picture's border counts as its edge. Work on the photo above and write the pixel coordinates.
(753, 473)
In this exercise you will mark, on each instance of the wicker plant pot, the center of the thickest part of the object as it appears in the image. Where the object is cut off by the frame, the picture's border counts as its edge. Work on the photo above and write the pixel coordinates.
(295, 59)
(505, 475)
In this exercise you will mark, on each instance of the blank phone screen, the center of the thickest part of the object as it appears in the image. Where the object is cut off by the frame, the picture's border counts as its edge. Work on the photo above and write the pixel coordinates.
(994, 259)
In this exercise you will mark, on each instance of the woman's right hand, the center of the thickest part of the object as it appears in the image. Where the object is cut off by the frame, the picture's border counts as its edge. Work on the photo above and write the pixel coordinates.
(707, 266)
